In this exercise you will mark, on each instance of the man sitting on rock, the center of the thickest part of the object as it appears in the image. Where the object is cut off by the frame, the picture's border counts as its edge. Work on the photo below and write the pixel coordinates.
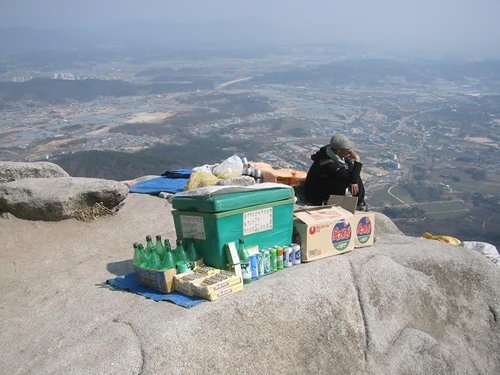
(336, 169)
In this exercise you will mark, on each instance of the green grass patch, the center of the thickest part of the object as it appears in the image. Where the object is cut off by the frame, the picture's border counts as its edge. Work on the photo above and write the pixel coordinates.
(443, 210)
(403, 194)
(380, 198)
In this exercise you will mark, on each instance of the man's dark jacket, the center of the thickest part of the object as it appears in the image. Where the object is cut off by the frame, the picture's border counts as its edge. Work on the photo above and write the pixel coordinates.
(327, 177)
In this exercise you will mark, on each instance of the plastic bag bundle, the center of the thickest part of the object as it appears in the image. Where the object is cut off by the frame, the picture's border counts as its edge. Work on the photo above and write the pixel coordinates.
(231, 167)
(488, 250)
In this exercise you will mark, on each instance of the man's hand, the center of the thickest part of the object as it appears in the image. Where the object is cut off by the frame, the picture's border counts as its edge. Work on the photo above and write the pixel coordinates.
(355, 156)
(354, 189)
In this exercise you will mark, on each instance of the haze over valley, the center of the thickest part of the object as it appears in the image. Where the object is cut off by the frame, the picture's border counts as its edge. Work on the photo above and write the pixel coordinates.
(127, 101)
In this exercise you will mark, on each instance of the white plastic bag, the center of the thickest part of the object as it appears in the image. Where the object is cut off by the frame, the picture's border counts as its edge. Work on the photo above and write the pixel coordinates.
(488, 250)
(207, 168)
(232, 166)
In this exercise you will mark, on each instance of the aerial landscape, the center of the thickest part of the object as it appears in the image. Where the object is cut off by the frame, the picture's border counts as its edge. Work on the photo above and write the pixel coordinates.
(113, 262)
(427, 127)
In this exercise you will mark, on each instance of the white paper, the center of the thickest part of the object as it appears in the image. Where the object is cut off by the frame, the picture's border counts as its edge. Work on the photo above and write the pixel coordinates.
(193, 227)
(257, 221)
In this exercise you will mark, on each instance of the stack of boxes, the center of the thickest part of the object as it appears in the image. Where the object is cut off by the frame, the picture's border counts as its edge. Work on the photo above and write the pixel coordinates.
(330, 230)
(209, 283)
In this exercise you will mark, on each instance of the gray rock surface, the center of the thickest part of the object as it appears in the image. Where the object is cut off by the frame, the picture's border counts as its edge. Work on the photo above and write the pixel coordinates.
(402, 306)
(59, 198)
(11, 170)
(238, 181)
(385, 225)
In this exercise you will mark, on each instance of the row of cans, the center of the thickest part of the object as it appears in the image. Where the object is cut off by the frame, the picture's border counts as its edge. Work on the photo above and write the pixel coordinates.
(274, 259)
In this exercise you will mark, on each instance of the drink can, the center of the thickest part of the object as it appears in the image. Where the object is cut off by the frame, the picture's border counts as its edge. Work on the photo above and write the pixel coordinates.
(254, 266)
(288, 256)
(279, 257)
(260, 258)
(297, 254)
(274, 260)
(267, 261)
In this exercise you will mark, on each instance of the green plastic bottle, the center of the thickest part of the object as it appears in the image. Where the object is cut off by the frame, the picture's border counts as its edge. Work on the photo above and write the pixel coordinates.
(137, 260)
(155, 261)
(193, 254)
(246, 270)
(150, 247)
(159, 249)
(141, 259)
(182, 260)
(167, 245)
(168, 261)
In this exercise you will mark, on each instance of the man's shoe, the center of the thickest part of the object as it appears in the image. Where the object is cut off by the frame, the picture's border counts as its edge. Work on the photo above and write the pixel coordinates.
(362, 207)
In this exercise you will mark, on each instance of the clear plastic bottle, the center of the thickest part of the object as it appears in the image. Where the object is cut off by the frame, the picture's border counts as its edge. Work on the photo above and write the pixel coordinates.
(246, 269)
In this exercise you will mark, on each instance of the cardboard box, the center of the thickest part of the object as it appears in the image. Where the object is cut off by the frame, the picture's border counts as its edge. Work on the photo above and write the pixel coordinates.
(324, 231)
(224, 292)
(183, 282)
(206, 270)
(215, 283)
(162, 281)
(345, 201)
(363, 224)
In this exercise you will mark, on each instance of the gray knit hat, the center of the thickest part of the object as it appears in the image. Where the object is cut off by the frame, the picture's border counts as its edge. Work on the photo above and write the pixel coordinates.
(340, 142)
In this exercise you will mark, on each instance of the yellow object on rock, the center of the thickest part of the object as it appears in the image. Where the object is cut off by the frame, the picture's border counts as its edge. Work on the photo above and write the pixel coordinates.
(447, 239)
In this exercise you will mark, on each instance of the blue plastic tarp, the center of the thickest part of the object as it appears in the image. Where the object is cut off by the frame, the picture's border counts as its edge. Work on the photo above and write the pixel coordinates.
(171, 181)
(129, 283)
(158, 184)
(178, 173)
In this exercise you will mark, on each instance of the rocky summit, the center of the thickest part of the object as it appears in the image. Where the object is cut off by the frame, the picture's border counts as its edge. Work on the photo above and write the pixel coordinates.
(44, 191)
(405, 305)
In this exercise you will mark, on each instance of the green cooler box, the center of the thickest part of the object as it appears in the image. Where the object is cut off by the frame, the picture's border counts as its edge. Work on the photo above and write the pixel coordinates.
(261, 217)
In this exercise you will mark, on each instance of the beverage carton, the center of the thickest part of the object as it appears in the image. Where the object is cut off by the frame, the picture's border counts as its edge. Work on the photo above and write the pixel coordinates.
(162, 281)
(206, 270)
(184, 281)
(215, 283)
(224, 292)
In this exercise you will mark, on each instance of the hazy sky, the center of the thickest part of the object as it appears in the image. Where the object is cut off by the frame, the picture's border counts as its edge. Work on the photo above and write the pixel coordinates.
(460, 25)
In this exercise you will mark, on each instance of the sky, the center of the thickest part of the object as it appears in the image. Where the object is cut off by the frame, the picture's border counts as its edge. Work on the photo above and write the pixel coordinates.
(455, 25)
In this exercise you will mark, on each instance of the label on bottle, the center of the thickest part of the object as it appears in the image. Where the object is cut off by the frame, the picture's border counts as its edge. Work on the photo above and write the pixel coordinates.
(279, 261)
(267, 262)
(260, 259)
(246, 270)
(182, 267)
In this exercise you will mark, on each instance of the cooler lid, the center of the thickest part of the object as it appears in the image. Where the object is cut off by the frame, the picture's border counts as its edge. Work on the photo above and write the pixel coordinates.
(231, 200)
